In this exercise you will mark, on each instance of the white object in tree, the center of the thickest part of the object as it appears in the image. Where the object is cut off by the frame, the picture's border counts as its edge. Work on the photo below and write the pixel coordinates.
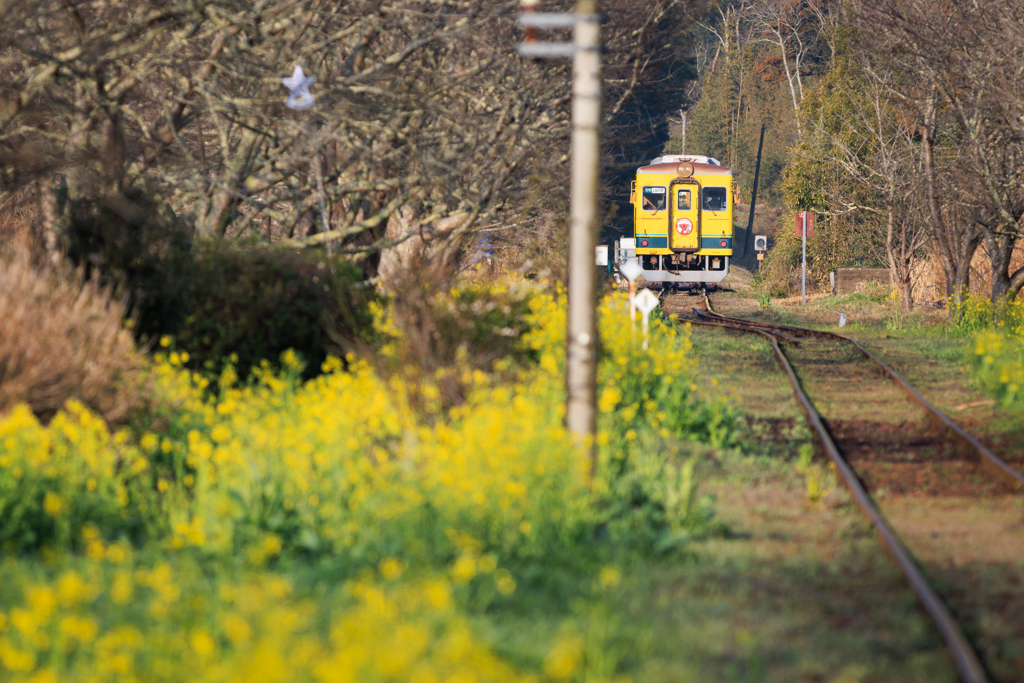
(298, 83)
(646, 301)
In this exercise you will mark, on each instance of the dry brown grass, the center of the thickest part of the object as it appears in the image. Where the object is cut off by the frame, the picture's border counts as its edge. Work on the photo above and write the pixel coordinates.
(930, 282)
(63, 337)
(17, 214)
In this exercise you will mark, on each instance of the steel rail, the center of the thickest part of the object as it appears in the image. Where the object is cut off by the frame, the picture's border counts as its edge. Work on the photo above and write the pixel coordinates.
(995, 465)
(744, 328)
(969, 668)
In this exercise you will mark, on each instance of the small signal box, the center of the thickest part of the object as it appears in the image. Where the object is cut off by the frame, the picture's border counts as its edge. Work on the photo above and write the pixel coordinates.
(760, 246)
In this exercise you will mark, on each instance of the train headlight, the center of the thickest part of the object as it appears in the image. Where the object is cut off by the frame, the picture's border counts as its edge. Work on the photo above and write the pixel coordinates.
(643, 243)
(724, 244)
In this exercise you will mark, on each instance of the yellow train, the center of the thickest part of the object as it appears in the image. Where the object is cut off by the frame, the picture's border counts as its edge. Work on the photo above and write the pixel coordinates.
(682, 220)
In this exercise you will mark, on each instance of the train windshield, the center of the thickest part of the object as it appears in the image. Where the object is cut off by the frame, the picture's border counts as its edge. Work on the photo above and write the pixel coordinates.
(714, 199)
(654, 199)
(683, 202)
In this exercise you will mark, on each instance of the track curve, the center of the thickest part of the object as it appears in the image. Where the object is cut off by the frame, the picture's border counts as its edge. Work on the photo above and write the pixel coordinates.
(965, 659)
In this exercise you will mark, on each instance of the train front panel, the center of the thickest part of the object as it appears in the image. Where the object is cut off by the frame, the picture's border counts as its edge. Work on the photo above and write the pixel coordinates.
(683, 219)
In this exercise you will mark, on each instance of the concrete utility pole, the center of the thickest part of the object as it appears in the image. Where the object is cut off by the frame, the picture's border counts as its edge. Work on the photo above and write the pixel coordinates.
(803, 261)
(582, 346)
(682, 132)
(581, 378)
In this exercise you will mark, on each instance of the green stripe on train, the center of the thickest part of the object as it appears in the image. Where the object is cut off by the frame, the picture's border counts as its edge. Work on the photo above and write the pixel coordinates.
(715, 242)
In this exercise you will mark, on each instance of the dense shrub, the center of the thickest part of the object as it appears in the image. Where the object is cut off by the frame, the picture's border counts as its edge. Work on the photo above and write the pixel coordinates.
(237, 304)
(251, 304)
(835, 243)
(141, 244)
(62, 336)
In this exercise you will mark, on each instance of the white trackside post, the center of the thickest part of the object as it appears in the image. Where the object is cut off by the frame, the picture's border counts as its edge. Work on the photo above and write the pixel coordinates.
(631, 270)
(632, 304)
(803, 266)
(646, 301)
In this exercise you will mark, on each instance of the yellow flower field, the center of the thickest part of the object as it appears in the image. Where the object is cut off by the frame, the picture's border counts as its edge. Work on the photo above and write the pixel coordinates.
(176, 550)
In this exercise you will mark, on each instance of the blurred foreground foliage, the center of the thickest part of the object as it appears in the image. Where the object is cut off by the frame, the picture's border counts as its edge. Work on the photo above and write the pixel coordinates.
(351, 526)
(997, 331)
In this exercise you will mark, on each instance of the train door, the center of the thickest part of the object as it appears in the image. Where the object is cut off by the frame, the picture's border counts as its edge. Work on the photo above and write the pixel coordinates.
(684, 215)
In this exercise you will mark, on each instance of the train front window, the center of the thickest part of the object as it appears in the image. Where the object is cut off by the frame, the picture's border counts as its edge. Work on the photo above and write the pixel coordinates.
(654, 199)
(715, 199)
(683, 202)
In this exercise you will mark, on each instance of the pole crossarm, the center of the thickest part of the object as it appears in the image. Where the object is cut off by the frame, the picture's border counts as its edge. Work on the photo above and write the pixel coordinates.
(547, 50)
(555, 19)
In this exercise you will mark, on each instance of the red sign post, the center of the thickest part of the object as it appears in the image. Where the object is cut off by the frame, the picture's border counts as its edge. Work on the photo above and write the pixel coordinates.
(804, 229)
(800, 223)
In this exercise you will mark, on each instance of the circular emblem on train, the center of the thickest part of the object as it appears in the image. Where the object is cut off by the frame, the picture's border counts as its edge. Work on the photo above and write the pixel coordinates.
(684, 169)
(684, 226)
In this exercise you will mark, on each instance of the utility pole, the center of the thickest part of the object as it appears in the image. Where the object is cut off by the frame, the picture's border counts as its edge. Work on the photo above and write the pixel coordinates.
(582, 346)
(804, 229)
(753, 198)
(682, 132)
(581, 379)
(803, 263)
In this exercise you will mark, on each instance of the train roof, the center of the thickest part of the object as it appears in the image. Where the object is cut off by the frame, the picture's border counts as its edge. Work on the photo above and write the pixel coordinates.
(670, 168)
(692, 158)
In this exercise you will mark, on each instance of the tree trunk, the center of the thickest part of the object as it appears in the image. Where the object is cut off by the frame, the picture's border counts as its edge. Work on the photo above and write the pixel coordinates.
(217, 214)
(962, 276)
(942, 249)
(792, 88)
(49, 224)
(899, 261)
(906, 290)
(1015, 285)
(1000, 253)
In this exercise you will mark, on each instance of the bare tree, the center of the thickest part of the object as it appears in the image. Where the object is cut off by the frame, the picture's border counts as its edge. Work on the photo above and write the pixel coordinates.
(781, 23)
(426, 127)
(875, 148)
(422, 115)
(965, 57)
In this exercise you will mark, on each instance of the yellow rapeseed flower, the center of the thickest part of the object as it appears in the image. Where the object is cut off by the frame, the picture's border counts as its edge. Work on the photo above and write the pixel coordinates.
(52, 503)
(565, 658)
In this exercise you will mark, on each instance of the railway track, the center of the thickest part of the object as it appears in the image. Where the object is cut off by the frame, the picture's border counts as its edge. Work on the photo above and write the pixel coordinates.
(963, 654)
